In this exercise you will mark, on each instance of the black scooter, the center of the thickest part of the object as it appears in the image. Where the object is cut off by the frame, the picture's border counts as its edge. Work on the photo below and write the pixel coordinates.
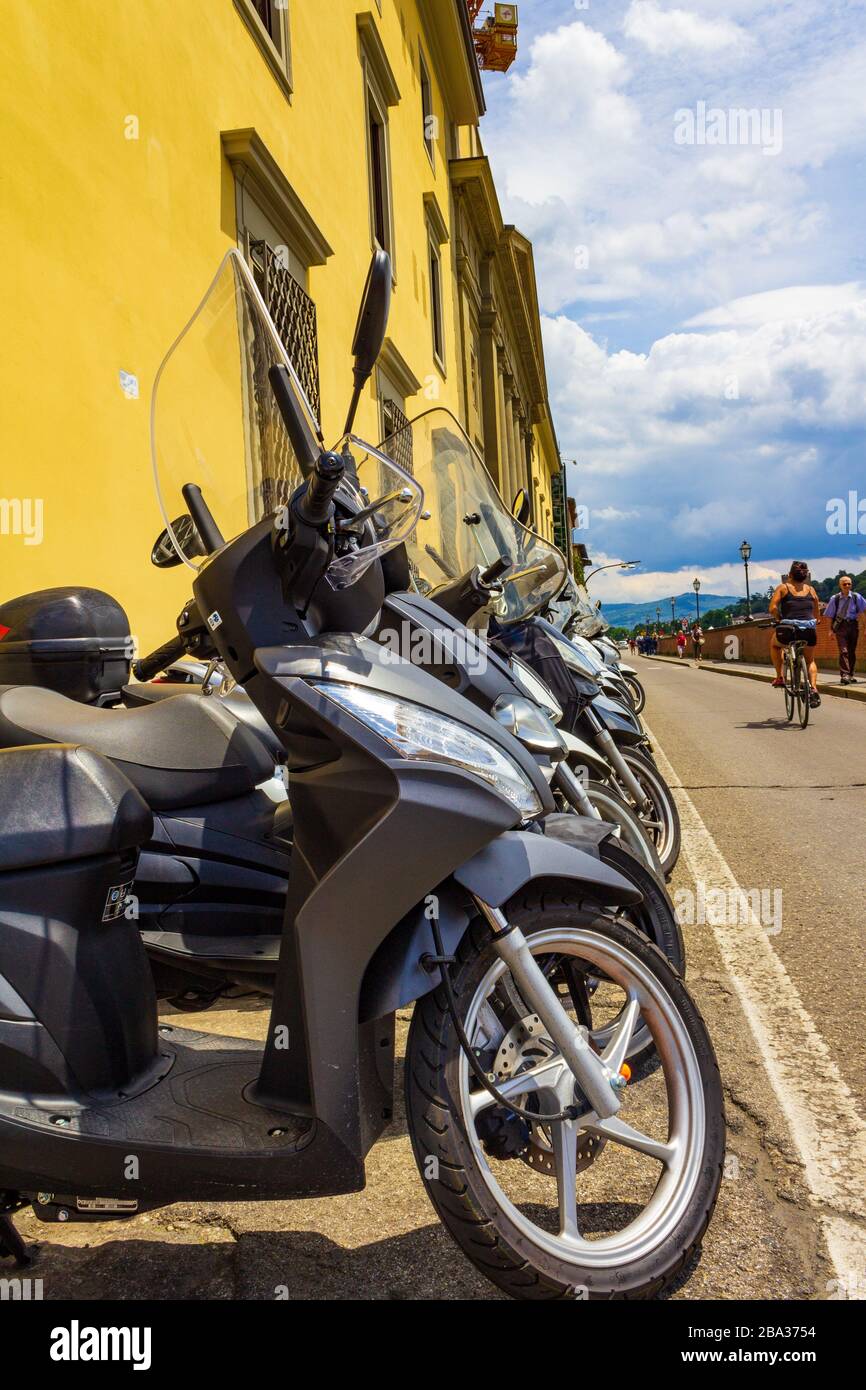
(417, 874)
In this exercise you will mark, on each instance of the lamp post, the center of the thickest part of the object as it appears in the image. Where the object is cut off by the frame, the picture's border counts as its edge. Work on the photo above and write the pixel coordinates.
(615, 565)
(697, 588)
(746, 551)
(673, 612)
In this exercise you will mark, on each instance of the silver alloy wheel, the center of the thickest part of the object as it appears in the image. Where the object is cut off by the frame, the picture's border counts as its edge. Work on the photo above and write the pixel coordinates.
(680, 1156)
(609, 804)
(656, 817)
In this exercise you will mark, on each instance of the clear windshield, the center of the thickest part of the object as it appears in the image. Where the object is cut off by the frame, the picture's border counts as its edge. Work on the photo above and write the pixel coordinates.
(468, 523)
(572, 612)
(215, 423)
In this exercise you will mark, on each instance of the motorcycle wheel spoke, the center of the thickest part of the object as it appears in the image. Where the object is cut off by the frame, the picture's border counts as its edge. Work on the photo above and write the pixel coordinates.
(617, 1049)
(563, 1139)
(618, 1132)
(541, 1078)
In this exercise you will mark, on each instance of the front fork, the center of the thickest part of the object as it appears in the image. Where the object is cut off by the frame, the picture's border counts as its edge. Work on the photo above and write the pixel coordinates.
(608, 746)
(600, 1085)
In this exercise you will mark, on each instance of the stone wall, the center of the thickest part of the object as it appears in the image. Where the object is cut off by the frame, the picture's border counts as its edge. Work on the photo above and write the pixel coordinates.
(753, 645)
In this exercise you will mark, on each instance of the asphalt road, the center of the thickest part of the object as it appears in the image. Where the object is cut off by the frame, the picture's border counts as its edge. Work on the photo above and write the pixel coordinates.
(764, 807)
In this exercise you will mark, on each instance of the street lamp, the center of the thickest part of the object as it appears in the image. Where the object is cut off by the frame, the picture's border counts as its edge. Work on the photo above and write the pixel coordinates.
(658, 618)
(746, 551)
(673, 612)
(697, 588)
(615, 565)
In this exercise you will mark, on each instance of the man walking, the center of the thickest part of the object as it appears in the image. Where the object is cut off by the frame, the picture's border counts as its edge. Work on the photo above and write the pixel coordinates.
(843, 612)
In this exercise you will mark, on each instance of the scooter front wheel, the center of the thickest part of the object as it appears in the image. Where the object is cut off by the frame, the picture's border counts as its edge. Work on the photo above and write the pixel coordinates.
(660, 818)
(613, 808)
(637, 692)
(580, 1208)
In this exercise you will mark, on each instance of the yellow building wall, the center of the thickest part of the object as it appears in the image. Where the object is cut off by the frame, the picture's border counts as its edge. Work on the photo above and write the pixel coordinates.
(110, 242)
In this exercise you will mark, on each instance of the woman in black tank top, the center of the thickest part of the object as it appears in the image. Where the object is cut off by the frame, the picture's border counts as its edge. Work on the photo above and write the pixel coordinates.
(795, 602)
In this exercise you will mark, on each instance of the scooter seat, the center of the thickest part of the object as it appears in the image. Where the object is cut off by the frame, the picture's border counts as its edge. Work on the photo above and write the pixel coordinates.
(59, 803)
(177, 753)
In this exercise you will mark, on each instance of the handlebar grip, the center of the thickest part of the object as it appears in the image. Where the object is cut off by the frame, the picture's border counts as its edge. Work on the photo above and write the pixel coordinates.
(495, 571)
(150, 666)
(315, 504)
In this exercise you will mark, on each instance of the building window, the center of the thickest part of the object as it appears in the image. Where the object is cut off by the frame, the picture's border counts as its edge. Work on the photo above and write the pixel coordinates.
(268, 23)
(378, 138)
(436, 305)
(429, 126)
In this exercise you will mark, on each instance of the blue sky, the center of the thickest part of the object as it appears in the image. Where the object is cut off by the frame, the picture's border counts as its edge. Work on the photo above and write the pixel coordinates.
(702, 275)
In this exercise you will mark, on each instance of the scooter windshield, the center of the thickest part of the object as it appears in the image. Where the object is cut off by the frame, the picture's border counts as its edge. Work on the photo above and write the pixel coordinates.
(467, 523)
(214, 419)
(215, 423)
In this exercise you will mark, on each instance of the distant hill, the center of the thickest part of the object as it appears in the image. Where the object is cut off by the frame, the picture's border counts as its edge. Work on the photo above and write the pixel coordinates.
(630, 614)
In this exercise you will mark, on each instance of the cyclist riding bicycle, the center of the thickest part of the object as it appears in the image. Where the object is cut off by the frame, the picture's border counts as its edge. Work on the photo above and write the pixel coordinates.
(795, 609)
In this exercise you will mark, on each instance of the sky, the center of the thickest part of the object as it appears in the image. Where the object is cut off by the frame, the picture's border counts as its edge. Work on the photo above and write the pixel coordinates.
(692, 178)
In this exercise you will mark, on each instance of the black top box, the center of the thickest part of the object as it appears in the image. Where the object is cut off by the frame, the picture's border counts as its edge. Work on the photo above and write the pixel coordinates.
(75, 641)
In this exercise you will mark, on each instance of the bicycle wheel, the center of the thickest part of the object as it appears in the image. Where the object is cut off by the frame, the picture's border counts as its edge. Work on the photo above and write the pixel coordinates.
(788, 672)
(803, 689)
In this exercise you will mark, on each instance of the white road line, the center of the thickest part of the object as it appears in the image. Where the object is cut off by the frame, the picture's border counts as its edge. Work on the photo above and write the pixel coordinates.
(821, 1112)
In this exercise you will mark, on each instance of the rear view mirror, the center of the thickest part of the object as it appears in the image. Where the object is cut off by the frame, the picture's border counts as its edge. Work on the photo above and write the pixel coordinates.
(371, 326)
(521, 509)
(164, 554)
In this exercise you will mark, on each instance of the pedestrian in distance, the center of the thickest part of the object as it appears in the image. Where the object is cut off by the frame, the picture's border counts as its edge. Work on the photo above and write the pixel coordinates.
(843, 613)
(681, 644)
(697, 640)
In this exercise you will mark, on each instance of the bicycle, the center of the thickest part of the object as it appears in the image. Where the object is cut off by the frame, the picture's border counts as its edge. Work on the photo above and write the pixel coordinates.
(798, 687)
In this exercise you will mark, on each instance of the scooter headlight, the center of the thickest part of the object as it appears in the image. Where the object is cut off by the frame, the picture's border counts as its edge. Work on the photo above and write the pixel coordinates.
(418, 733)
(535, 689)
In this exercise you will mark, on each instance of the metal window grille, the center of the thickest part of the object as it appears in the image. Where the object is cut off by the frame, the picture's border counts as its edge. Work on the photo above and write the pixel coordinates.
(398, 435)
(294, 316)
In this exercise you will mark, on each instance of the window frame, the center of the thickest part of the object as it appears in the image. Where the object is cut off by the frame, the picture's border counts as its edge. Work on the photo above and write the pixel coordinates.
(376, 110)
(427, 112)
(279, 60)
(437, 301)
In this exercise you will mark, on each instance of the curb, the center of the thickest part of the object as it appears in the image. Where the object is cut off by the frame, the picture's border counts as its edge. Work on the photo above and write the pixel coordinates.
(840, 692)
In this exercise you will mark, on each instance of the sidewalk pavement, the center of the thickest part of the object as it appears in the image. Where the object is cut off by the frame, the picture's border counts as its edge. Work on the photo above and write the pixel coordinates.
(828, 684)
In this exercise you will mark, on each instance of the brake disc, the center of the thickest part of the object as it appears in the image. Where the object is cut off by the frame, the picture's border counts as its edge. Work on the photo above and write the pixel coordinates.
(526, 1043)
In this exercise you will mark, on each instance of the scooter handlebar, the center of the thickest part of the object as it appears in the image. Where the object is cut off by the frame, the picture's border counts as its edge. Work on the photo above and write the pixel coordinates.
(160, 660)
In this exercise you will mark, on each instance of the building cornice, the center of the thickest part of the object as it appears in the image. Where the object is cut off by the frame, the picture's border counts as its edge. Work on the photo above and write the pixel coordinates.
(449, 38)
(254, 167)
(395, 366)
(373, 50)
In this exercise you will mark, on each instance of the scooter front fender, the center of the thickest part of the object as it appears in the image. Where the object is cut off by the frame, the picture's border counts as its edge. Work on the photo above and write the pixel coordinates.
(397, 975)
(517, 858)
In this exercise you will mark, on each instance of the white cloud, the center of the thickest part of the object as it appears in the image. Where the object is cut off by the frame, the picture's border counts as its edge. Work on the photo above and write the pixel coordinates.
(658, 586)
(665, 32)
(773, 306)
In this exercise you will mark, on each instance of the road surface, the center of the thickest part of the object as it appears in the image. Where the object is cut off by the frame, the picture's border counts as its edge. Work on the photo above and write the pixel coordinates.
(765, 807)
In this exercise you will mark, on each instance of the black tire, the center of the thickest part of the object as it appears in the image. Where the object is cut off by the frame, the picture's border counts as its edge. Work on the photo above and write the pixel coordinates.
(613, 808)
(655, 917)
(638, 694)
(483, 1227)
(668, 839)
(790, 698)
(804, 686)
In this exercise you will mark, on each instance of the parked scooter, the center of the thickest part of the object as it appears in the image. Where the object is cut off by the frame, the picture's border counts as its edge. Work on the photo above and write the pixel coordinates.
(586, 628)
(416, 875)
(476, 532)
